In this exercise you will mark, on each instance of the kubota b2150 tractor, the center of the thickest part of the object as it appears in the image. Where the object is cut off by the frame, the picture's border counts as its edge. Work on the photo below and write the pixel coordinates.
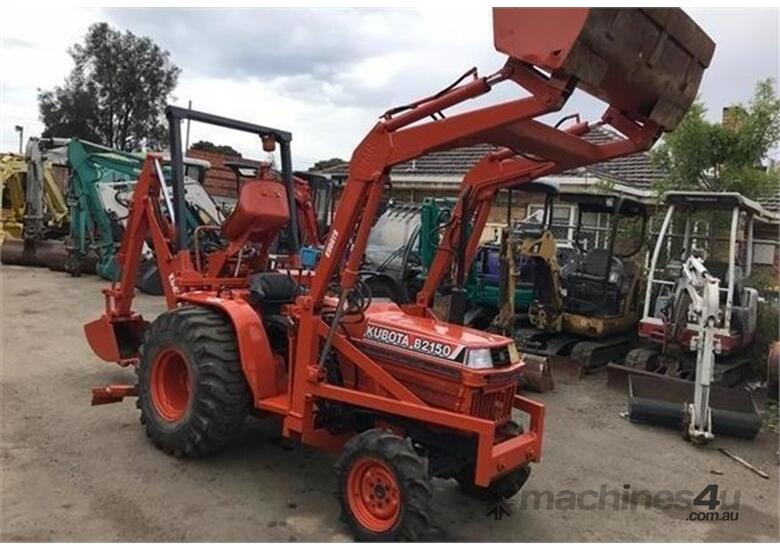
(402, 395)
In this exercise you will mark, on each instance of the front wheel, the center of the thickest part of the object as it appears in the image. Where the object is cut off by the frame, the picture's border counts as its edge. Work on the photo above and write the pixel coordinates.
(384, 488)
(500, 489)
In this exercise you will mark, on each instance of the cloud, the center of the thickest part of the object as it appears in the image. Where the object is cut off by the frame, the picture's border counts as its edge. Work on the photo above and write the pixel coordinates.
(270, 42)
(327, 74)
(33, 55)
(746, 51)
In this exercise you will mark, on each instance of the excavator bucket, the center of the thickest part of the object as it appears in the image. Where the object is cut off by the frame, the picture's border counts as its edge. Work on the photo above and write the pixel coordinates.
(647, 63)
(116, 340)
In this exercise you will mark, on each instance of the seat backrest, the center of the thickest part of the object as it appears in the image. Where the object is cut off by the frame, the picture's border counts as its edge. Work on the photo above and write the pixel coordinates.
(261, 212)
(596, 263)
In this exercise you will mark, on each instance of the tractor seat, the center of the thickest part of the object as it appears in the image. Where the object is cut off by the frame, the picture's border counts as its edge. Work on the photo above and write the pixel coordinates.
(269, 291)
(261, 211)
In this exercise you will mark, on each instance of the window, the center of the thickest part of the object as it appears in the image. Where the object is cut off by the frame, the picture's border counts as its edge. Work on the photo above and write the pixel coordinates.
(763, 254)
(563, 220)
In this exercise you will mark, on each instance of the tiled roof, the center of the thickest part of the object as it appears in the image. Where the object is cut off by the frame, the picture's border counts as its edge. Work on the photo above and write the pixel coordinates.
(635, 170)
(771, 203)
(220, 180)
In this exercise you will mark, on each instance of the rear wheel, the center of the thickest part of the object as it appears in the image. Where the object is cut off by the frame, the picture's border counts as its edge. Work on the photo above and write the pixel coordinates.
(384, 488)
(192, 392)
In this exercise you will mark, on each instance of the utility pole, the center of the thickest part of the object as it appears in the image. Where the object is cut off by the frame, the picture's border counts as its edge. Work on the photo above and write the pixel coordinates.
(20, 130)
(187, 137)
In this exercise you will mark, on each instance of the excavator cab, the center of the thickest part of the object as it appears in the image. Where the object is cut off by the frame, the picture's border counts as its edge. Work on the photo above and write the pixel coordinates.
(587, 298)
(603, 281)
(686, 362)
(717, 228)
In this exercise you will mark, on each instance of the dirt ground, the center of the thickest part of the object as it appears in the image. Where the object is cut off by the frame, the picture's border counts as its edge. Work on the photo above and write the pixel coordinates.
(71, 472)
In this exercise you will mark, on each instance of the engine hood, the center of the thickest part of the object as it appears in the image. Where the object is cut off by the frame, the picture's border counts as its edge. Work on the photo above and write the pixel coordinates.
(386, 323)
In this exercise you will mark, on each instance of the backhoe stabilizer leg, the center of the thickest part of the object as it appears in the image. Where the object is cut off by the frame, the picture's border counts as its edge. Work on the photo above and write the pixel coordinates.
(113, 393)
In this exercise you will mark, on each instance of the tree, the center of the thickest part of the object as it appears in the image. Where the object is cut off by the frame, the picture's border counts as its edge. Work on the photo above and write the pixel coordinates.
(212, 148)
(115, 95)
(329, 163)
(727, 156)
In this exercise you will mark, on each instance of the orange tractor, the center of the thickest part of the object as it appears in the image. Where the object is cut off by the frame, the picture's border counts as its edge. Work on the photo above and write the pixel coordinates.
(403, 395)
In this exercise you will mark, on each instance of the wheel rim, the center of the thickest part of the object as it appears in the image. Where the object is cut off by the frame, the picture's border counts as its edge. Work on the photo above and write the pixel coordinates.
(170, 385)
(373, 494)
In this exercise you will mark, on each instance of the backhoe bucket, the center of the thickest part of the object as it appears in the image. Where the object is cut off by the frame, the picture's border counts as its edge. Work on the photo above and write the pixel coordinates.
(116, 340)
(647, 63)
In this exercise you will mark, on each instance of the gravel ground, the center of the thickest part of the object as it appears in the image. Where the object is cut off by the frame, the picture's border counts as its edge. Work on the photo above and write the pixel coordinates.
(71, 472)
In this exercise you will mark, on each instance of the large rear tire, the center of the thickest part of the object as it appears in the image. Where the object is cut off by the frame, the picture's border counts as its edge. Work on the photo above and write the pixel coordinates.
(192, 392)
(384, 488)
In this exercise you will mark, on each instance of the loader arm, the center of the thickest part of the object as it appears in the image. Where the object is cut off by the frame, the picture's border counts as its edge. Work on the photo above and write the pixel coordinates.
(645, 64)
(506, 169)
(534, 150)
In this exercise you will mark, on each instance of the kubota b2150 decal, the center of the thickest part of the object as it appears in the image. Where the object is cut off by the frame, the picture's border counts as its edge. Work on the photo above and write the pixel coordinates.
(411, 342)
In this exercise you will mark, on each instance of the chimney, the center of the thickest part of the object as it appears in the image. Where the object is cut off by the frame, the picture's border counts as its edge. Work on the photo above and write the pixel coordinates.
(733, 117)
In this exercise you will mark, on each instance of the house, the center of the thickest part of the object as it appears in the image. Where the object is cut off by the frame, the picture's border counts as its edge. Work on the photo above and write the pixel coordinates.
(439, 174)
(219, 180)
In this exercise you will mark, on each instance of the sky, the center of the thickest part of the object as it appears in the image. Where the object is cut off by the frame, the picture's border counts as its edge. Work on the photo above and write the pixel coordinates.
(326, 74)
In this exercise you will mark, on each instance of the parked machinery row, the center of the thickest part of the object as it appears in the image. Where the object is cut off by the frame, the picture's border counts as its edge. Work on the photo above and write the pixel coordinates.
(79, 230)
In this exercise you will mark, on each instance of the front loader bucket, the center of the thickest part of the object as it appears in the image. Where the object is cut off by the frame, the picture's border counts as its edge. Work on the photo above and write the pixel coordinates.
(116, 340)
(647, 63)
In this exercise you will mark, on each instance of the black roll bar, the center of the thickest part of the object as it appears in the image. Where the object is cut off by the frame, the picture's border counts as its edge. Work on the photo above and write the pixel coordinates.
(175, 115)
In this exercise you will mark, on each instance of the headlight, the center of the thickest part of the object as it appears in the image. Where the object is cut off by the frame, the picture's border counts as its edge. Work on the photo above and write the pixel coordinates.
(479, 359)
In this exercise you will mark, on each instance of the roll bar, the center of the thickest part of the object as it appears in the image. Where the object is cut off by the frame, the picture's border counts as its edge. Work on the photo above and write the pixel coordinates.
(176, 114)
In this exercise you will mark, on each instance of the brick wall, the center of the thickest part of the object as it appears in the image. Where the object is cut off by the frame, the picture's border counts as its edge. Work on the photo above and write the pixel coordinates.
(220, 181)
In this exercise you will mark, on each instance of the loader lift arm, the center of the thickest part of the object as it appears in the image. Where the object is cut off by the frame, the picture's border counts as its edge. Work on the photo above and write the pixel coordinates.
(638, 109)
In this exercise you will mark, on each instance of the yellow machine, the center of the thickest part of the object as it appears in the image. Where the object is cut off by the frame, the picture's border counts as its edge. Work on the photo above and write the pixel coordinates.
(587, 304)
(13, 170)
(18, 175)
(35, 213)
